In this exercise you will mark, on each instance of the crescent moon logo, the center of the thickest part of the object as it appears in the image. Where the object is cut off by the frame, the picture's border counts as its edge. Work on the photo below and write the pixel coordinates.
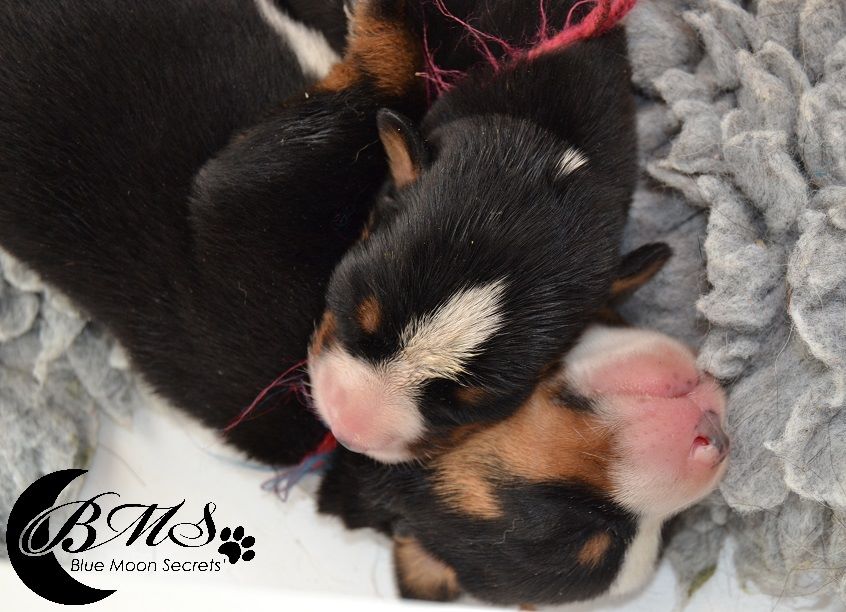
(42, 573)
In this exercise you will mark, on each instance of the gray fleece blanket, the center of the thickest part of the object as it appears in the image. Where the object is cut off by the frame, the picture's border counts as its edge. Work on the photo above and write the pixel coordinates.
(742, 126)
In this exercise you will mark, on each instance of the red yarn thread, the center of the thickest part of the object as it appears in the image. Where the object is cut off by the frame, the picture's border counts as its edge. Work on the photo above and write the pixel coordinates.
(286, 479)
(604, 16)
(327, 445)
(289, 379)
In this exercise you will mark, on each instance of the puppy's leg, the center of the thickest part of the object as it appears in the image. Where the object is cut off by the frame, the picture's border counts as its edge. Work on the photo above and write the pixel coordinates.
(420, 575)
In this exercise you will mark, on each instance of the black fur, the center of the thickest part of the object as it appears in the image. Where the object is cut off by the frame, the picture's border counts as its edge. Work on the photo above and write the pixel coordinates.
(530, 555)
(211, 273)
(489, 206)
(148, 171)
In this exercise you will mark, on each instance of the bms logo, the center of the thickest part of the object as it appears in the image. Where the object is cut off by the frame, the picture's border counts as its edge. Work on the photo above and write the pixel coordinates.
(30, 545)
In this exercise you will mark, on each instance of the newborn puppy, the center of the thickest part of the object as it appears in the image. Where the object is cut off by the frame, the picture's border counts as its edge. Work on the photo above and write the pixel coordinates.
(566, 498)
(149, 170)
(493, 246)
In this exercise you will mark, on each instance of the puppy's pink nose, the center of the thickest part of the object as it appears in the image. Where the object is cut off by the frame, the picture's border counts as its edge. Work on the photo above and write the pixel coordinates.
(365, 412)
(711, 444)
(668, 415)
(349, 412)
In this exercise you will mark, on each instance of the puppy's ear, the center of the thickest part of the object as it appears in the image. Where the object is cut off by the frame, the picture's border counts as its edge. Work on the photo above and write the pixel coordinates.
(637, 268)
(420, 575)
(404, 146)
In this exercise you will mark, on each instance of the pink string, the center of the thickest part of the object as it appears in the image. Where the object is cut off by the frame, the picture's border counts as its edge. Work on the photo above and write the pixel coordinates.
(481, 37)
(290, 378)
(544, 22)
(602, 18)
(287, 478)
(439, 79)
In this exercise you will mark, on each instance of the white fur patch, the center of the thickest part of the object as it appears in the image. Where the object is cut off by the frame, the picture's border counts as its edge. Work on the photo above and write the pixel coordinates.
(640, 559)
(385, 395)
(313, 52)
(439, 344)
(572, 160)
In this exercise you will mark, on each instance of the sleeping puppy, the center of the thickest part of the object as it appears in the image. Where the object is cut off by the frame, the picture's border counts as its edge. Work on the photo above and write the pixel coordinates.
(149, 170)
(493, 246)
(566, 498)
(142, 173)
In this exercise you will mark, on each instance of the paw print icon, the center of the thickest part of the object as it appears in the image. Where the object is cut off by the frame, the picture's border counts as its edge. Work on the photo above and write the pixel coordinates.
(235, 546)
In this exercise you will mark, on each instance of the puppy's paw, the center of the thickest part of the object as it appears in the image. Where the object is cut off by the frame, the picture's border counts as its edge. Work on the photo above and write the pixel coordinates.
(420, 575)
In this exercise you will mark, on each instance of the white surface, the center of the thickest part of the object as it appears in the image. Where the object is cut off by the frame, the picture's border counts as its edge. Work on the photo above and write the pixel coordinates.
(303, 561)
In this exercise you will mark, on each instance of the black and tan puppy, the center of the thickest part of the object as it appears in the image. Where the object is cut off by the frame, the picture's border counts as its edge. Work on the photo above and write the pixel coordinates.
(565, 499)
(495, 243)
(147, 170)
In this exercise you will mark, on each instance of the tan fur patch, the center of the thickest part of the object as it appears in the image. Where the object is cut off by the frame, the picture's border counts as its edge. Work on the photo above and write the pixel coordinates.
(542, 442)
(369, 314)
(384, 50)
(471, 395)
(341, 76)
(324, 334)
(404, 171)
(420, 575)
(594, 549)
(465, 486)
(388, 52)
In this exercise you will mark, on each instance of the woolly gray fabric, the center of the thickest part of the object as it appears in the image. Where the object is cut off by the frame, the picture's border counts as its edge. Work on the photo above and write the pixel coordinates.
(55, 371)
(742, 125)
(743, 144)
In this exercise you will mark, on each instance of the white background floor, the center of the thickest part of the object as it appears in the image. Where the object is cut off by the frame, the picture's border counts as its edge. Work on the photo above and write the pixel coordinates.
(303, 561)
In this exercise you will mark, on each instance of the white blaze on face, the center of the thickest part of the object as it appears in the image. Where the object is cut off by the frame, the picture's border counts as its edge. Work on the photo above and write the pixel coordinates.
(438, 345)
(312, 50)
(572, 160)
(373, 408)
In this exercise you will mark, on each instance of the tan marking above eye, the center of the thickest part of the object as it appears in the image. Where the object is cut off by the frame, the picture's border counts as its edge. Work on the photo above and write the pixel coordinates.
(594, 550)
(369, 314)
(420, 575)
(542, 442)
(471, 395)
(324, 334)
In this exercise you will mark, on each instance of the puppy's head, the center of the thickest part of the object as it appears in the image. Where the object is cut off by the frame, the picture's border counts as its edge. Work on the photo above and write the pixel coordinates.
(479, 270)
(566, 498)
